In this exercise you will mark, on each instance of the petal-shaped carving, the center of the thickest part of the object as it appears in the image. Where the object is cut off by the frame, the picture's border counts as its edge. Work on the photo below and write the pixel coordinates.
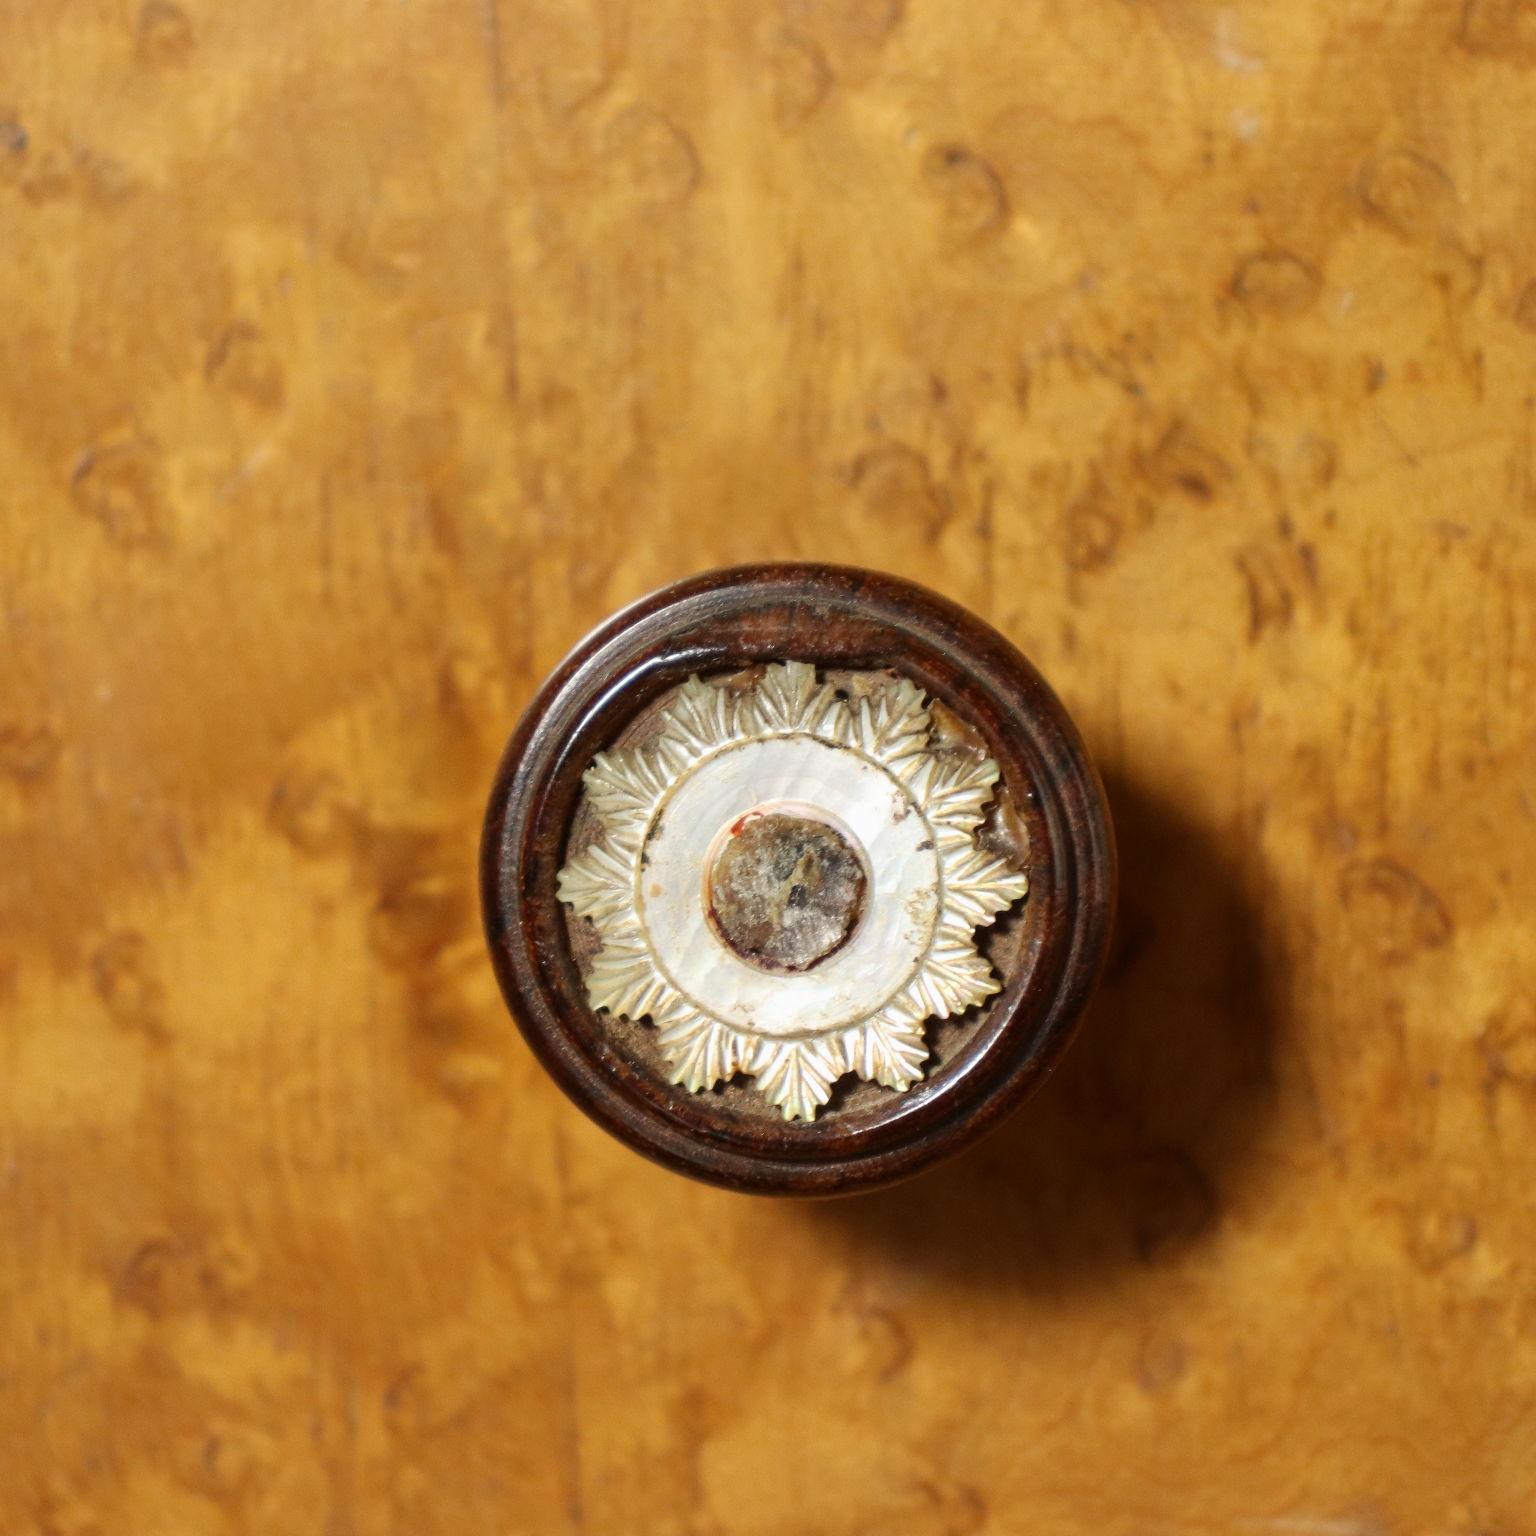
(978, 886)
(953, 789)
(797, 1075)
(701, 1051)
(702, 718)
(598, 883)
(886, 1050)
(788, 699)
(889, 724)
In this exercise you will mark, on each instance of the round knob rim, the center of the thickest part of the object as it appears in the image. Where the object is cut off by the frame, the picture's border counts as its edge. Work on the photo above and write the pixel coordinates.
(835, 618)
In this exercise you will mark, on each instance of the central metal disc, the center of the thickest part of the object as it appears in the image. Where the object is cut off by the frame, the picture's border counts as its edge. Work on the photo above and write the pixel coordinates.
(785, 891)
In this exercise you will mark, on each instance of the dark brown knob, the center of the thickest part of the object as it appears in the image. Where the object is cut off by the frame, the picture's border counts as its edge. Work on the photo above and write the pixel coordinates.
(797, 877)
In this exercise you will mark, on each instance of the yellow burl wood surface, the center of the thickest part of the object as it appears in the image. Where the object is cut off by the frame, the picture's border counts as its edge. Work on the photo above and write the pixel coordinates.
(355, 357)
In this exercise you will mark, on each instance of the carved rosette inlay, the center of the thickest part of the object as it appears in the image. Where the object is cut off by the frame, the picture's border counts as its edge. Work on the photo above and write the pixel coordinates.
(787, 883)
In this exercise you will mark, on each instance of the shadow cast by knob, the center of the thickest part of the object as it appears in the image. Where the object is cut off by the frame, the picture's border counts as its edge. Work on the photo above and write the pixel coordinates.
(1129, 1153)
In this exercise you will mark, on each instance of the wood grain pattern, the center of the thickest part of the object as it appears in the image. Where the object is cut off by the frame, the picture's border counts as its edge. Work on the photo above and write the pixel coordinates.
(356, 357)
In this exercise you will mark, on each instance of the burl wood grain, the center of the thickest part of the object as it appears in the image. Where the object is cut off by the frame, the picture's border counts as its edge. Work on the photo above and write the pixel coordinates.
(356, 356)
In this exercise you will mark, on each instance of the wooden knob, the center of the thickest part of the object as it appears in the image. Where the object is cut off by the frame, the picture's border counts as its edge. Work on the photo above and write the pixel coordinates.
(797, 877)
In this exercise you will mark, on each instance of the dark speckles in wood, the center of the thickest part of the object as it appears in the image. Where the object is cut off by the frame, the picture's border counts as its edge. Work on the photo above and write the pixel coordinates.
(391, 251)
(1279, 575)
(885, 1342)
(422, 932)
(242, 362)
(1406, 191)
(1507, 1046)
(421, 908)
(311, 810)
(29, 750)
(1271, 604)
(56, 173)
(176, 1272)
(850, 23)
(163, 33)
(1503, 31)
(1435, 1237)
(957, 1509)
(967, 192)
(1394, 911)
(13, 150)
(103, 180)
(877, 1342)
(1182, 462)
(124, 975)
(799, 79)
(1161, 1363)
(233, 1462)
(471, 686)
(1524, 312)
(653, 158)
(149, 1280)
(1296, 465)
(1090, 534)
(119, 484)
(895, 483)
(47, 175)
(1276, 282)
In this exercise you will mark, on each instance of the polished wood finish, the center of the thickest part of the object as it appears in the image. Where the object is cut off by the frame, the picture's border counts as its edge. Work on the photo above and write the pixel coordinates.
(357, 358)
(836, 618)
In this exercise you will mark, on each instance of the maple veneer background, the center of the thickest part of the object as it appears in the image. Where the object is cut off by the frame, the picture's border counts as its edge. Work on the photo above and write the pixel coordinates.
(356, 357)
